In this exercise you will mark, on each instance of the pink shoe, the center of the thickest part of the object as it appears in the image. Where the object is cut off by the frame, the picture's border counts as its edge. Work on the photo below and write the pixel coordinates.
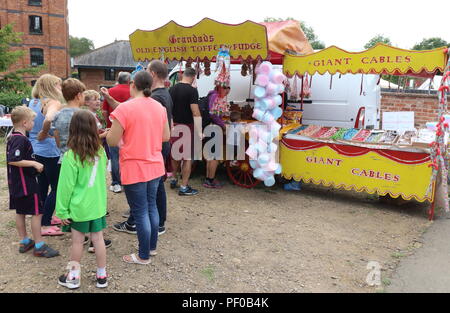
(214, 185)
(51, 232)
(55, 221)
(217, 184)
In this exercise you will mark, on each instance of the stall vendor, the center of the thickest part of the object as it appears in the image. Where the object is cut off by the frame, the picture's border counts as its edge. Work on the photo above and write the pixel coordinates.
(218, 106)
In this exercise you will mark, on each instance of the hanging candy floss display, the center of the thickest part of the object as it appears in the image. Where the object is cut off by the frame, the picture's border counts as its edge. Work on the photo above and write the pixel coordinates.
(439, 155)
(262, 149)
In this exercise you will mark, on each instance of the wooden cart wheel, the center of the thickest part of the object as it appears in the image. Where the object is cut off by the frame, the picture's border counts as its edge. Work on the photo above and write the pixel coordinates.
(241, 174)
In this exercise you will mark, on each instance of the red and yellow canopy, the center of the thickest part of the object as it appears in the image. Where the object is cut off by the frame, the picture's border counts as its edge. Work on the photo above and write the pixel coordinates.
(381, 59)
(248, 40)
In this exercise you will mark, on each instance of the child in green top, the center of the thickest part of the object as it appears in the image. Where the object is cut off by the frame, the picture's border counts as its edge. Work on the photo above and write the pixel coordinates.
(81, 196)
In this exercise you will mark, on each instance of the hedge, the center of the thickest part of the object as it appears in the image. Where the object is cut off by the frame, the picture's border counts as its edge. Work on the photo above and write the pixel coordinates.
(12, 99)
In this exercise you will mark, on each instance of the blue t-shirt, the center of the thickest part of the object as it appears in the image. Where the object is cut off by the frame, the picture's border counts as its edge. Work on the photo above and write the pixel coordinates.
(46, 148)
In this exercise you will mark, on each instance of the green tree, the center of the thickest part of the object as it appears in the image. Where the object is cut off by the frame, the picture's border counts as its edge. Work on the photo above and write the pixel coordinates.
(309, 31)
(431, 43)
(372, 42)
(12, 81)
(79, 46)
(378, 38)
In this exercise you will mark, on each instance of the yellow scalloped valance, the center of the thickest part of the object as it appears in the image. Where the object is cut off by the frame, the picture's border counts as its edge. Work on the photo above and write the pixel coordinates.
(381, 59)
(203, 41)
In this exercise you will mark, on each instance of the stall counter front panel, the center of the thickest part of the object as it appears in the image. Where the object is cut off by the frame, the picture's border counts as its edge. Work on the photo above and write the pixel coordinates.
(381, 171)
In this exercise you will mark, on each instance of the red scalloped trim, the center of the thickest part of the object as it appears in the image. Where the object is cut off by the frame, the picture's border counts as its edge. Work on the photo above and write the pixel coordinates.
(423, 72)
(403, 157)
(205, 58)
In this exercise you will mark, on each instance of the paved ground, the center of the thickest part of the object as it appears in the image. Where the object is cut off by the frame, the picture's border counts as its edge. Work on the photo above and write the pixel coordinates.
(427, 270)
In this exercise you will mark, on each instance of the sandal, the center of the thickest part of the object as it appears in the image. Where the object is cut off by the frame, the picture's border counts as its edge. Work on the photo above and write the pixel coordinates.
(134, 260)
(52, 231)
(55, 221)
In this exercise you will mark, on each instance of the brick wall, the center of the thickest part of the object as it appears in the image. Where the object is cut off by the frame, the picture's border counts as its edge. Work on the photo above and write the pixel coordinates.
(55, 37)
(425, 106)
(95, 78)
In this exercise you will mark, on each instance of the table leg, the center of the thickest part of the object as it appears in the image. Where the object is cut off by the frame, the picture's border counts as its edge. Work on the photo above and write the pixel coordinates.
(431, 211)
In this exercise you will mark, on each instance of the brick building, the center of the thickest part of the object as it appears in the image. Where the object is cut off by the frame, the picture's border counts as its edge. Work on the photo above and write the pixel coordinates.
(100, 68)
(45, 29)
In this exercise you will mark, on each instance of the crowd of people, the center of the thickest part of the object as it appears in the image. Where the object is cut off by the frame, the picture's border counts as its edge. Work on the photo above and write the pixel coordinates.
(58, 154)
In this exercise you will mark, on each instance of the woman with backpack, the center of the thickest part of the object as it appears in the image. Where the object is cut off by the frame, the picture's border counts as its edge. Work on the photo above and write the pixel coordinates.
(208, 107)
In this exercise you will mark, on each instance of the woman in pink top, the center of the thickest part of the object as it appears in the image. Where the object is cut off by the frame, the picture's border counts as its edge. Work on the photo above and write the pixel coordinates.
(140, 126)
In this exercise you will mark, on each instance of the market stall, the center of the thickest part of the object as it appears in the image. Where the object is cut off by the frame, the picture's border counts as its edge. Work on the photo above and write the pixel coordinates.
(390, 162)
(5, 125)
(248, 43)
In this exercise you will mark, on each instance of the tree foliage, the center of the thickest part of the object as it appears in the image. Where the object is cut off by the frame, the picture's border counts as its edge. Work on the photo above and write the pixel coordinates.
(309, 31)
(7, 56)
(79, 46)
(378, 38)
(431, 43)
(12, 81)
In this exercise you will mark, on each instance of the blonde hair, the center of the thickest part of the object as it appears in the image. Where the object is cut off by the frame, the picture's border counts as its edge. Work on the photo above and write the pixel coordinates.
(91, 94)
(21, 113)
(45, 87)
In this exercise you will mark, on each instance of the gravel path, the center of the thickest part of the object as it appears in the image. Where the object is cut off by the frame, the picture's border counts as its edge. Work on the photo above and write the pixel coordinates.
(237, 240)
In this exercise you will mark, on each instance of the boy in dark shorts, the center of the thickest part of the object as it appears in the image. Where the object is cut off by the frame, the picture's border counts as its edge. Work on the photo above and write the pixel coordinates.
(22, 182)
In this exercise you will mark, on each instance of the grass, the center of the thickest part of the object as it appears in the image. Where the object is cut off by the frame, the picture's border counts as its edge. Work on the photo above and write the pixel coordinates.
(2, 153)
(11, 224)
(208, 272)
(386, 282)
(397, 255)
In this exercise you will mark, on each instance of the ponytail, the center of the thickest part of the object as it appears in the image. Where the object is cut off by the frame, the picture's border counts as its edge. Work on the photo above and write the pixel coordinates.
(143, 82)
(147, 92)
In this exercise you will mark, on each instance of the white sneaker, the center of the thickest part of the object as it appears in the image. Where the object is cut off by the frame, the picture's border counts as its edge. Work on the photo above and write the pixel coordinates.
(111, 188)
(117, 188)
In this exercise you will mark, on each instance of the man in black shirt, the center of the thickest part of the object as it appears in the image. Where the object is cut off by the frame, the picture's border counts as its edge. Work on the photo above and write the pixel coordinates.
(185, 113)
(159, 72)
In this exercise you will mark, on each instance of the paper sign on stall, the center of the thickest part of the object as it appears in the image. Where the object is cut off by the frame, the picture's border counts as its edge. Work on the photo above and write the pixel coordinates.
(399, 121)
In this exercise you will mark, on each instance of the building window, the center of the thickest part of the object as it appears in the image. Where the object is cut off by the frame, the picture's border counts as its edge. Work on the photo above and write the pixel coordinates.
(36, 56)
(37, 3)
(110, 74)
(35, 24)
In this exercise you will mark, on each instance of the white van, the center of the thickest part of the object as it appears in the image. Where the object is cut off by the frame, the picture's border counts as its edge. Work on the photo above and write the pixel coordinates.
(340, 106)
(340, 101)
